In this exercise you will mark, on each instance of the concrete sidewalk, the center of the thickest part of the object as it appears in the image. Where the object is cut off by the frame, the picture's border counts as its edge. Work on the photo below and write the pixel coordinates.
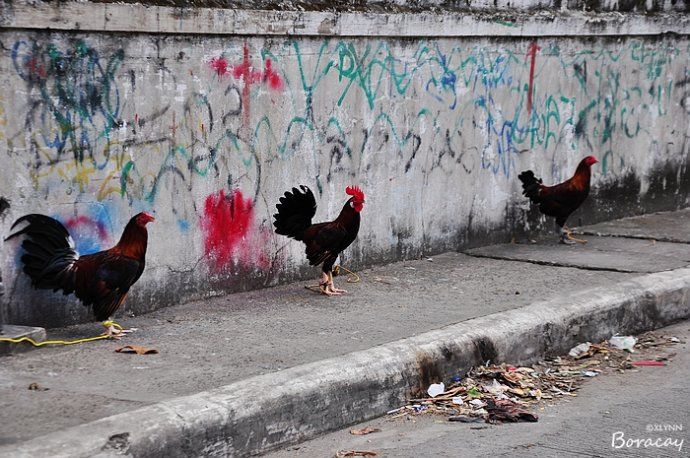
(211, 344)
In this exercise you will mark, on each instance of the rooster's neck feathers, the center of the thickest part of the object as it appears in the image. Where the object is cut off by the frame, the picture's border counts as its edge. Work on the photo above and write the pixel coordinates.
(348, 215)
(582, 176)
(133, 241)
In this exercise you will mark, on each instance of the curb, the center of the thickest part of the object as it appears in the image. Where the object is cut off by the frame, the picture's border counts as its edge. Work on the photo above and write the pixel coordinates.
(17, 332)
(273, 410)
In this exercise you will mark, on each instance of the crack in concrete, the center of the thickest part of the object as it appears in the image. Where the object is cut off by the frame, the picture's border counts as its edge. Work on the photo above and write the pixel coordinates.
(567, 450)
(559, 264)
(634, 237)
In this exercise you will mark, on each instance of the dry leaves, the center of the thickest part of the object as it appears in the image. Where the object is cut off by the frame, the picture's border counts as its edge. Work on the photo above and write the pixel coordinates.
(364, 431)
(36, 387)
(346, 453)
(501, 393)
(139, 350)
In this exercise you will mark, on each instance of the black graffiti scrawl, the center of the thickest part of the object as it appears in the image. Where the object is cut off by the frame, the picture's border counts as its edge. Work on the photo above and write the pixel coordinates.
(74, 103)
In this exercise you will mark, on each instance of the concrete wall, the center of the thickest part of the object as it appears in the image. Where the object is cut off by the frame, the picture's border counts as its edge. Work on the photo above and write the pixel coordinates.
(207, 130)
(642, 6)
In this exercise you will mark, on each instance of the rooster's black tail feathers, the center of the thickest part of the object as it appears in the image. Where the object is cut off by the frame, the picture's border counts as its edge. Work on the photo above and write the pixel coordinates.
(295, 211)
(530, 185)
(49, 253)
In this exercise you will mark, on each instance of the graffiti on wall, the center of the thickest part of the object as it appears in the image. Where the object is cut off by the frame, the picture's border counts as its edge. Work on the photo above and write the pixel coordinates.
(203, 133)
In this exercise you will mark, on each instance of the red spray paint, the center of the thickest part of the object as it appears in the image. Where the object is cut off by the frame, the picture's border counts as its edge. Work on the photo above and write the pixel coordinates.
(220, 65)
(532, 53)
(229, 237)
(249, 75)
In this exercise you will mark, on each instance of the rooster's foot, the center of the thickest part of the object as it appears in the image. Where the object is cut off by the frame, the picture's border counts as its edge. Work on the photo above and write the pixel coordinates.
(335, 291)
(568, 239)
(330, 288)
(115, 331)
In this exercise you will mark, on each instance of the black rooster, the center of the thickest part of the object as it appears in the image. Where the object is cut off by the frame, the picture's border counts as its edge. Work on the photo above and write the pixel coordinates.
(324, 241)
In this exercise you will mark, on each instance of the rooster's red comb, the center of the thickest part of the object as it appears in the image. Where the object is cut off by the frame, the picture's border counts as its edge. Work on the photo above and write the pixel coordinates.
(355, 192)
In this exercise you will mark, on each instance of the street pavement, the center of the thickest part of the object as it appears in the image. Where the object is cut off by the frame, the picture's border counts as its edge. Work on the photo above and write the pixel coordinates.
(211, 343)
(607, 417)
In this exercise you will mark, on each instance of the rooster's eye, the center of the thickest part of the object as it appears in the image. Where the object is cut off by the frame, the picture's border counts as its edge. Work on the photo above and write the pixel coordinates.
(352, 204)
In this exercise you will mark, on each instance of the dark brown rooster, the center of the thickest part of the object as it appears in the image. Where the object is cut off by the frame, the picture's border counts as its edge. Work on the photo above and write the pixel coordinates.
(324, 241)
(101, 280)
(560, 200)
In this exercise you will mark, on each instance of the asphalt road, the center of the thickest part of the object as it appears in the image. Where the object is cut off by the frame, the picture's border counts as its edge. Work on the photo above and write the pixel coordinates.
(609, 411)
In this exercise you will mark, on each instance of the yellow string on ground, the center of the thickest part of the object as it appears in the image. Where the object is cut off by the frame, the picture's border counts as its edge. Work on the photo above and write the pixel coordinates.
(351, 278)
(63, 342)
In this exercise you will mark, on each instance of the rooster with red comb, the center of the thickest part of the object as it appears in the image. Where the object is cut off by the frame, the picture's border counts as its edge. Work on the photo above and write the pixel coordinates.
(324, 241)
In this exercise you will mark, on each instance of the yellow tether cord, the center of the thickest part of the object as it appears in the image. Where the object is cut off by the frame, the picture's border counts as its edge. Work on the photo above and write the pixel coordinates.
(62, 342)
(351, 278)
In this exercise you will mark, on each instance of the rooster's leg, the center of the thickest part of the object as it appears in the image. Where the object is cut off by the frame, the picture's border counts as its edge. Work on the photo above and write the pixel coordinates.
(322, 286)
(323, 283)
(331, 286)
(567, 234)
(114, 330)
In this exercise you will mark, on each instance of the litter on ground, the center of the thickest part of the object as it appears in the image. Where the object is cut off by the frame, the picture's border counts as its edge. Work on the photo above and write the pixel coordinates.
(509, 393)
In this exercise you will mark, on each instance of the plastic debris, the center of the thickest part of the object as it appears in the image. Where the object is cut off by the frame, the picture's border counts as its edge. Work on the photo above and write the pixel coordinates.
(435, 389)
(648, 362)
(623, 343)
(478, 403)
(505, 392)
(580, 351)
(473, 392)
(495, 388)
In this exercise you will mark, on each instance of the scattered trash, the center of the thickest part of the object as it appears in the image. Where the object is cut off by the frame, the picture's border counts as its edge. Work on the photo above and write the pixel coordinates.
(137, 349)
(506, 393)
(473, 392)
(435, 389)
(674, 339)
(623, 343)
(364, 431)
(505, 410)
(580, 351)
(430, 259)
(648, 362)
(478, 403)
(36, 387)
(346, 453)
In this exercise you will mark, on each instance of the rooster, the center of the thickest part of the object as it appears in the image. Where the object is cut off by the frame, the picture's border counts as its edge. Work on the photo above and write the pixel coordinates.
(560, 200)
(324, 241)
(100, 280)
